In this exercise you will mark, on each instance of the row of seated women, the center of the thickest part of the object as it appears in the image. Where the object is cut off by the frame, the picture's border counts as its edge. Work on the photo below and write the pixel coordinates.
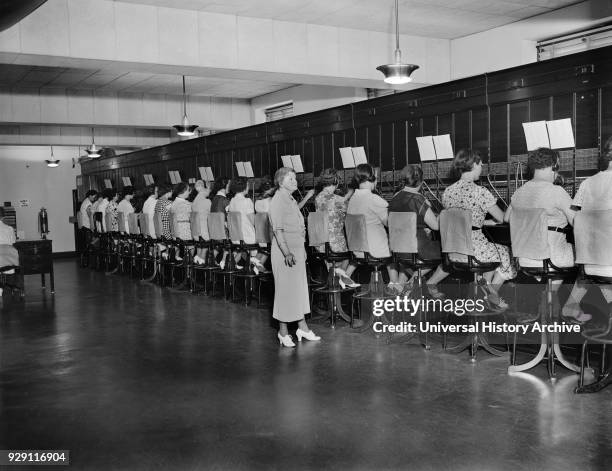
(465, 193)
(540, 192)
(176, 203)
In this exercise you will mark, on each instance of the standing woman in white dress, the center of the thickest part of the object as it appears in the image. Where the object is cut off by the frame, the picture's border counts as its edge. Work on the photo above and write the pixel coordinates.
(291, 302)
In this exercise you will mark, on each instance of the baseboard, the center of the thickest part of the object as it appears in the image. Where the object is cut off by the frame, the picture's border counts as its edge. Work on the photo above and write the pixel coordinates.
(56, 255)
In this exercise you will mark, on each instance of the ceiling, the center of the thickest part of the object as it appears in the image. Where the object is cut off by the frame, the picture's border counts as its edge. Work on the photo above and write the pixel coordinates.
(445, 19)
(130, 82)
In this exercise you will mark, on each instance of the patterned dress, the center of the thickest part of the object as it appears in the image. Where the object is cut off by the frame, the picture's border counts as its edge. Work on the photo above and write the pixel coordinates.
(469, 196)
(162, 207)
(112, 210)
(335, 206)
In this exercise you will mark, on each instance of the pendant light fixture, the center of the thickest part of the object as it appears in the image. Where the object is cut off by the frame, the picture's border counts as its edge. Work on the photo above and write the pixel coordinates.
(397, 73)
(92, 150)
(185, 129)
(52, 162)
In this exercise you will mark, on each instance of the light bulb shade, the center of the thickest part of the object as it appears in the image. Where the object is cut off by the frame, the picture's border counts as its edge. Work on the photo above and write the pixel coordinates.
(52, 163)
(185, 129)
(93, 151)
(397, 74)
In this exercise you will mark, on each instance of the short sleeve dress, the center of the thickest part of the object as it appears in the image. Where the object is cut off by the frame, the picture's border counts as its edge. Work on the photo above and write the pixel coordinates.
(412, 202)
(291, 300)
(476, 199)
(162, 207)
(112, 210)
(335, 207)
(245, 207)
(181, 208)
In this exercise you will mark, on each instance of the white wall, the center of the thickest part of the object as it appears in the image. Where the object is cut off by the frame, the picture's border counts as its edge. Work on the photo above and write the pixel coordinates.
(222, 45)
(89, 107)
(515, 44)
(306, 98)
(25, 175)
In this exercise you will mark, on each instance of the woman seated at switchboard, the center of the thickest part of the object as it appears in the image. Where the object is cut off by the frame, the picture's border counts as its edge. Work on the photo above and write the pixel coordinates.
(111, 209)
(541, 192)
(409, 199)
(201, 204)
(375, 210)
(465, 194)
(242, 204)
(162, 210)
(335, 206)
(219, 204)
(594, 193)
(107, 196)
(180, 208)
(266, 192)
(125, 204)
(148, 207)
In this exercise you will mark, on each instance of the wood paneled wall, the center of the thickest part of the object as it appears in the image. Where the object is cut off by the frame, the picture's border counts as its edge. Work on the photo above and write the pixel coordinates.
(484, 112)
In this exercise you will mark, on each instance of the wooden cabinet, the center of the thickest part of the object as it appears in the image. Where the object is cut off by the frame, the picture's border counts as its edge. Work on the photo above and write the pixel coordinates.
(35, 258)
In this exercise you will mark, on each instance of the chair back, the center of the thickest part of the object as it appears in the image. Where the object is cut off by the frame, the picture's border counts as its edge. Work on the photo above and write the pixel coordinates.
(234, 225)
(529, 233)
(143, 221)
(121, 223)
(108, 219)
(263, 229)
(158, 224)
(216, 226)
(173, 224)
(403, 232)
(356, 233)
(133, 224)
(592, 234)
(456, 231)
(98, 221)
(318, 228)
(194, 222)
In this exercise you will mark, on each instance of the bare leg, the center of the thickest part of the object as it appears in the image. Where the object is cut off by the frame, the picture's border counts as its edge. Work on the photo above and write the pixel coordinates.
(437, 277)
(572, 305)
(393, 273)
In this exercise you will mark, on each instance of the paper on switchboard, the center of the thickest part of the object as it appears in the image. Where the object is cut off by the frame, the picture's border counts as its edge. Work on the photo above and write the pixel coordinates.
(296, 162)
(359, 155)
(427, 150)
(560, 133)
(443, 147)
(536, 135)
(346, 154)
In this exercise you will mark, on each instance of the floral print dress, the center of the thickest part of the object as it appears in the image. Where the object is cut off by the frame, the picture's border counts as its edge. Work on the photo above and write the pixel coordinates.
(467, 195)
(335, 206)
(112, 210)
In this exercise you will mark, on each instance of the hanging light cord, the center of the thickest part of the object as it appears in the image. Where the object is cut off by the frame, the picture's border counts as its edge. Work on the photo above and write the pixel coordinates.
(397, 42)
(184, 98)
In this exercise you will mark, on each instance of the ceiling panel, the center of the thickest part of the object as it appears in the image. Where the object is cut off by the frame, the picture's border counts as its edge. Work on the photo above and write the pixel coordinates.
(131, 82)
(377, 15)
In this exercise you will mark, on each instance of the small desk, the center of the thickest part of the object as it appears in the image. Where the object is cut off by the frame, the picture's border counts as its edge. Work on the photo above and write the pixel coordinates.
(35, 257)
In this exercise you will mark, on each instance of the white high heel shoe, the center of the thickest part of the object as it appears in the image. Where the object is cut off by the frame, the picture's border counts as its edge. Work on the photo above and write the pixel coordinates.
(310, 335)
(285, 341)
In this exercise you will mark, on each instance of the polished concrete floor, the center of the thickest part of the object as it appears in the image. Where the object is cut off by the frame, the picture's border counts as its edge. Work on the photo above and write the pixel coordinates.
(132, 377)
